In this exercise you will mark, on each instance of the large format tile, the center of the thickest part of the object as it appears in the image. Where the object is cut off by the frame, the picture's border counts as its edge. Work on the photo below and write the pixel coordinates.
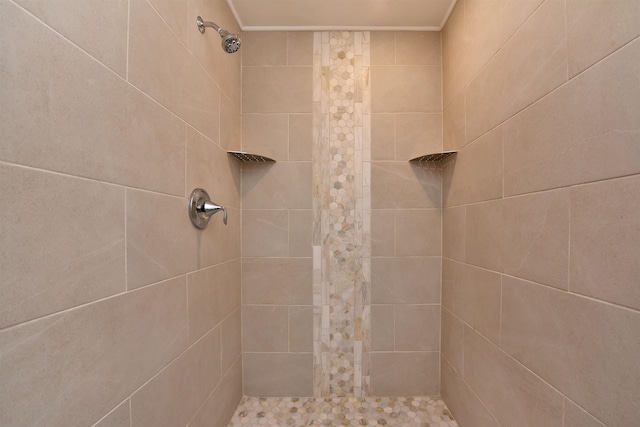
(614, 21)
(58, 258)
(574, 416)
(453, 125)
(276, 90)
(276, 281)
(175, 394)
(465, 406)
(264, 48)
(214, 293)
(405, 374)
(407, 280)
(585, 131)
(265, 328)
(411, 89)
(484, 234)
(300, 136)
(536, 237)
(231, 339)
(283, 185)
(300, 48)
(418, 134)
(418, 232)
(452, 340)
(514, 13)
(530, 65)
(265, 233)
(119, 417)
(222, 403)
(301, 328)
(586, 349)
(454, 237)
(383, 232)
(266, 134)
(86, 361)
(605, 241)
(418, 48)
(514, 395)
(278, 374)
(426, 337)
(473, 294)
(404, 185)
(382, 327)
(70, 114)
(107, 40)
(300, 233)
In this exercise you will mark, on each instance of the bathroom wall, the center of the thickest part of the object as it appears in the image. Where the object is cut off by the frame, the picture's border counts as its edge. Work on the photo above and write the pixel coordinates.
(277, 310)
(540, 318)
(406, 222)
(115, 310)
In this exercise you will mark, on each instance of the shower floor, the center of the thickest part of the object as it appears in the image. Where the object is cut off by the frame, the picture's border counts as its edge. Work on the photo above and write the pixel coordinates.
(421, 411)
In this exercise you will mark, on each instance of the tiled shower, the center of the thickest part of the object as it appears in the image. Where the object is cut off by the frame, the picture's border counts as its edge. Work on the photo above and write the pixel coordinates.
(504, 279)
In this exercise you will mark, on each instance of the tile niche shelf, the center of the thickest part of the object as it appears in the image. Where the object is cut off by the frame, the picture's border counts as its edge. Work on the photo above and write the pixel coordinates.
(433, 157)
(250, 158)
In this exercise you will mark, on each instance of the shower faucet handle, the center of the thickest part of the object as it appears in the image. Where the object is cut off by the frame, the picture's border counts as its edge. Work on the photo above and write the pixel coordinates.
(201, 208)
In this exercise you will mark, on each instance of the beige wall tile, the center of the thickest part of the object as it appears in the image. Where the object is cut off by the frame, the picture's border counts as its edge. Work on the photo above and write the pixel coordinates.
(264, 48)
(108, 40)
(511, 392)
(614, 21)
(605, 240)
(160, 65)
(301, 329)
(283, 185)
(561, 336)
(300, 229)
(266, 134)
(383, 138)
(417, 135)
(58, 259)
(156, 251)
(265, 328)
(567, 138)
(175, 394)
(418, 232)
(382, 327)
(383, 232)
(414, 280)
(473, 294)
(300, 136)
(470, 38)
(452, 340)
(405, 374)
(418, 48)
(174, 14)
(276, 89)
(96, 125)
(119, 417)
(223, 67)
(404, 185)
(209, 167)
(417, 327)
(485, 234)
(265, 233)
(230, 341)
(453, 124)
(536, 237)
(276, 281)
(465, 406)
(454, 237)
(124, 340)
(383, 48)
(300, 48)
(282, 374)
(412, 89)
(528, 66)
(230, 124)
(214, 293)
(222, 403)
(230, 235)
(477, 173)
(514, 13)
(574, 416)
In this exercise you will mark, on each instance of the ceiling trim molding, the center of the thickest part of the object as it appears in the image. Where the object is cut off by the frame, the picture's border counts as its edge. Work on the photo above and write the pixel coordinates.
(446, 15)
(337, 28)
(235, 15)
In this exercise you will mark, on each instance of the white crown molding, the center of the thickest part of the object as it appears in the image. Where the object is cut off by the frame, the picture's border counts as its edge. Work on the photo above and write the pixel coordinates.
(336, 28)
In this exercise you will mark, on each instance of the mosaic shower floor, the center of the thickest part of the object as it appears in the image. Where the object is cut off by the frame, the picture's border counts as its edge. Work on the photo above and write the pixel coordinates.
(345, 411)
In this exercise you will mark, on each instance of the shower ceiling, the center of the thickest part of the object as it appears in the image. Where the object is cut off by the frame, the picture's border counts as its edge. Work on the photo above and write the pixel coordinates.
(424, 15)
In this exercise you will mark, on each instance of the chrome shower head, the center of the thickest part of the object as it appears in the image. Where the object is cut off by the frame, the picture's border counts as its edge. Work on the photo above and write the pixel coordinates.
(230, 42)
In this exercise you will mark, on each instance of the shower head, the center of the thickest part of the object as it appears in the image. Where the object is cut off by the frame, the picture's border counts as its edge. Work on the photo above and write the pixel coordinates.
(230, 42)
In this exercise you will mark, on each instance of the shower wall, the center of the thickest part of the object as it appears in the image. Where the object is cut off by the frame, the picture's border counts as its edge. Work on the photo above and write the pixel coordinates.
(278, 214)
(115, 310)
(540, 317)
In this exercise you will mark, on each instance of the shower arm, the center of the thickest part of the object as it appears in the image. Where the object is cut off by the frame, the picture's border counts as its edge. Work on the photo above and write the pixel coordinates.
(203, 24)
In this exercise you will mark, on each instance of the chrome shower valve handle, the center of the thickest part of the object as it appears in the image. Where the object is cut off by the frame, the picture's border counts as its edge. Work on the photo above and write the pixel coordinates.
(201, 209)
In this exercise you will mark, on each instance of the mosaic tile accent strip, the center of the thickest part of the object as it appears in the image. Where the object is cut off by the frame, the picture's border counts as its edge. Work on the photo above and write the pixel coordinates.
(343, 411)
(342, 205)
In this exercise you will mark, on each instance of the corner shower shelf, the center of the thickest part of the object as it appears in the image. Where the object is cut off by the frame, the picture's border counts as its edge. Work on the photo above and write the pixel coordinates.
(434, 157)
(250, 158)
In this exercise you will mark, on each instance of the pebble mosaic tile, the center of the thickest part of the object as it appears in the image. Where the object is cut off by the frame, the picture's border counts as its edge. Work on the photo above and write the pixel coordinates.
(343, 411)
